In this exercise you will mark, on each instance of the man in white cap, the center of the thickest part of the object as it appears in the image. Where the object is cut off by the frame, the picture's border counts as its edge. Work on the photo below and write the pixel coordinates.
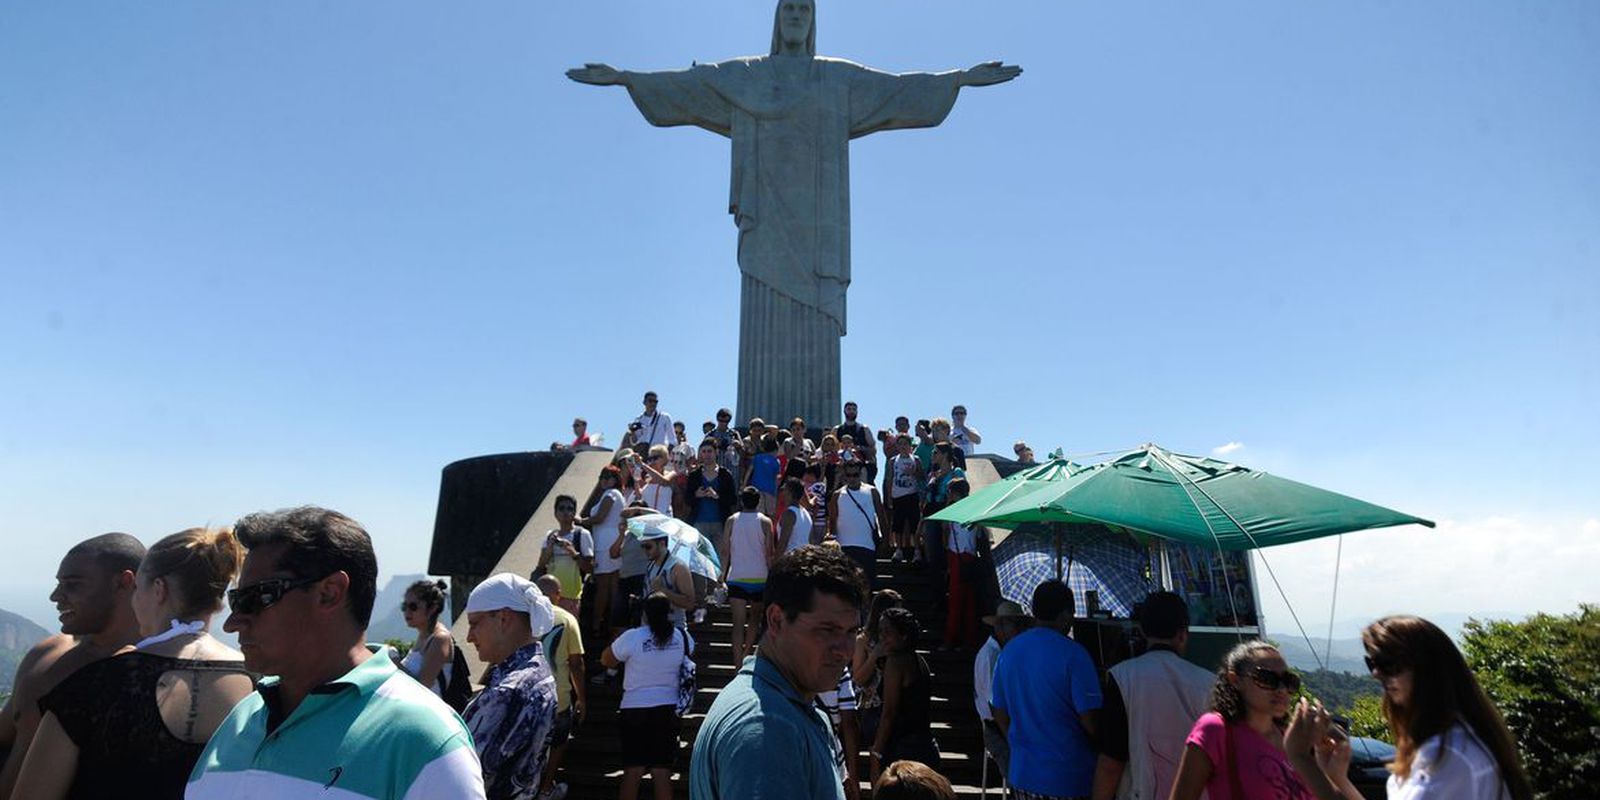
(512, 718)
(1008, 620)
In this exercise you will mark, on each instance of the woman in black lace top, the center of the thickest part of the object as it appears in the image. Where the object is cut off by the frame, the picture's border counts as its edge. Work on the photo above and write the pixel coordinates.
(133, 725)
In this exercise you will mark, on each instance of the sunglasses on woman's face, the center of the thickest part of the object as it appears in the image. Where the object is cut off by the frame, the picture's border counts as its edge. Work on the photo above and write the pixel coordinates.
(259, 597)
(1273, 681)
(410, 605)
(1378, 665)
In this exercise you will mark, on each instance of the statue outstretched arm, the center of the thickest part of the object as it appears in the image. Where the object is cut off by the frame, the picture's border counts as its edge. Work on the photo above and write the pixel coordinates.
(673, 97)
(599, 75)
(989, 73)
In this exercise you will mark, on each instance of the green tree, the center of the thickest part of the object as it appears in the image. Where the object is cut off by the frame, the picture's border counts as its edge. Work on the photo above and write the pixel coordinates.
(1542, 675)
(1339, 691)
(1366, 718)
(401, 647)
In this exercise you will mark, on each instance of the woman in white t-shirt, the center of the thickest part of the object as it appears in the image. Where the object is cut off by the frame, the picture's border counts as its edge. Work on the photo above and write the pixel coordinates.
(648, 719)
(604, 519)
(1450, 741)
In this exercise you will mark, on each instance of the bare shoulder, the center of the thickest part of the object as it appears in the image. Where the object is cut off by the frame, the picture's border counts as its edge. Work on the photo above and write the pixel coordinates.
(41, 668)
(46, 663)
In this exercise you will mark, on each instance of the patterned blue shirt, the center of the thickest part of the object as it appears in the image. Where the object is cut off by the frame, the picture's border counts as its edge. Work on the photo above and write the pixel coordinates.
(511, 720)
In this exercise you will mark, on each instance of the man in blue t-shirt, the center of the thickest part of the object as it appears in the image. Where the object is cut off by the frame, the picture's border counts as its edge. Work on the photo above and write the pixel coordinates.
(1046, 694)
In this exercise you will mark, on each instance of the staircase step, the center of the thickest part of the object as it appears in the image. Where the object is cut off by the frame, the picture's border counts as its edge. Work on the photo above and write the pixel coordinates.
(590, 769)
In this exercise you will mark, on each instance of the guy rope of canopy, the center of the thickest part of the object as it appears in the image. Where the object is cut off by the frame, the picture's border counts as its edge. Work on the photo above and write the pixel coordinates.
(1228, 583)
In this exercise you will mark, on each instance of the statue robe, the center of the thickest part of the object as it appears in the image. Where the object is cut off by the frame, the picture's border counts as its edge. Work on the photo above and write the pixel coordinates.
(791, 120)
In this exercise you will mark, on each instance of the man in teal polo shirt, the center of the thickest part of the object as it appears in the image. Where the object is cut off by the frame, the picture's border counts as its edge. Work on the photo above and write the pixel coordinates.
(764, 738)
(334, 721)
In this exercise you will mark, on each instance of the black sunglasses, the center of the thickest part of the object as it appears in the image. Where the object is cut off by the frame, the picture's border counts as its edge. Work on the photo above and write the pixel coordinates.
(259, 597)
(411, 605)
(1273, 681)
(1383, 666)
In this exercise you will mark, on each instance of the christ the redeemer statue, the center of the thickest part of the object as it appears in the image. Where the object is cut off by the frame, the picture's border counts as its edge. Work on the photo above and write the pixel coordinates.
(791, 116)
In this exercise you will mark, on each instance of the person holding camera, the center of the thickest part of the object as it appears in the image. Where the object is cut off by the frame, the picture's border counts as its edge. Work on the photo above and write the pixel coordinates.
(962, 436)
(654, 426)
(861, 435)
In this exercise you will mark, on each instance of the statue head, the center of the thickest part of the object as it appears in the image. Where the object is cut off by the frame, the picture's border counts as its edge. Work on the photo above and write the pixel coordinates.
(794, 22)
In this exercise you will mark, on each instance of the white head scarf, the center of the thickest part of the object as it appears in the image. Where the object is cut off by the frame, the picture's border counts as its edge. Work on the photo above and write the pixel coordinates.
(516, 593)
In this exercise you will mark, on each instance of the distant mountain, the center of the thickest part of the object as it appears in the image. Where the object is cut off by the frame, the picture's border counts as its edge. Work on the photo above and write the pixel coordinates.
(17, 634)
(1347, 653)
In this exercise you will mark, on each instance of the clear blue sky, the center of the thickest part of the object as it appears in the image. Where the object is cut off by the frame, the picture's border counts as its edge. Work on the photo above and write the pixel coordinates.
(262, 254)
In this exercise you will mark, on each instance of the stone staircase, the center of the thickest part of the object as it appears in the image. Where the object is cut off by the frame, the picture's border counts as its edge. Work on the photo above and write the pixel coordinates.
(591, 770)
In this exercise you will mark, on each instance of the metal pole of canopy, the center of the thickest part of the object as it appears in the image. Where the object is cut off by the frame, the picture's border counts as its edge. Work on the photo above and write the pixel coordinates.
(1166, 565)
(1056, 528)
(1187, 483)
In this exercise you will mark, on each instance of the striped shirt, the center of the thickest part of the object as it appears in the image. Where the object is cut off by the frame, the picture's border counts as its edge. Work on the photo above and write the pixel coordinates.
(373, 733)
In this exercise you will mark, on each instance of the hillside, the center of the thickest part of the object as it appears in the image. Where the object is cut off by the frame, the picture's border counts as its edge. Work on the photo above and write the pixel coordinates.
(1347, 653)
(17, 634)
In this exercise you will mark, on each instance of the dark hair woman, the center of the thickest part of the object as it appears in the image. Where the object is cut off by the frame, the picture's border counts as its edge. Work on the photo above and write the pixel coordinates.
(867, 662)
(1237, 748)
(1450, 741)
(135, 724)
(648, 719)
(905, 729)
(429, 660)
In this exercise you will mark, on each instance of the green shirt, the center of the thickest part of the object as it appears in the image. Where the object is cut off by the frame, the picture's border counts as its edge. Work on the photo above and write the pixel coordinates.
(373, 733)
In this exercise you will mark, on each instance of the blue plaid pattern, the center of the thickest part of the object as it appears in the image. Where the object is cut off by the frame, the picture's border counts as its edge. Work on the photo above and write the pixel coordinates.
(1102, 560)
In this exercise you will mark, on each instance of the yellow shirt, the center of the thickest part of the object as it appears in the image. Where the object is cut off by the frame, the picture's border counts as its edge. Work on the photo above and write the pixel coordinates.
(571, 645)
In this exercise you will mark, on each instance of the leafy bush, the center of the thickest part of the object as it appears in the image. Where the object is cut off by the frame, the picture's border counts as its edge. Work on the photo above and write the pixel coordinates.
(1339, 691)
(1366, 718)
(1544, 675)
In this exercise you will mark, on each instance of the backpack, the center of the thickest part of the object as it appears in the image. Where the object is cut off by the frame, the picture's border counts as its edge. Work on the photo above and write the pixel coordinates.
(458, 690)
(686, 680)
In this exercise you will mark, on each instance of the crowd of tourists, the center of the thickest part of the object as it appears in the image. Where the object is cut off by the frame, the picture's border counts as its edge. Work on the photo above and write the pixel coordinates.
(134, 697)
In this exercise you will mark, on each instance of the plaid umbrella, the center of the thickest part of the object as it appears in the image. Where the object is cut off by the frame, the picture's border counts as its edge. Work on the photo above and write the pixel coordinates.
(1097, 559)
(687, 545)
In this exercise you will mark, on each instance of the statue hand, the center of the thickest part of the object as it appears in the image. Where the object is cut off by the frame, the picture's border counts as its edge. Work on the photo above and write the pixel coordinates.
(989, 73)
(596, 75)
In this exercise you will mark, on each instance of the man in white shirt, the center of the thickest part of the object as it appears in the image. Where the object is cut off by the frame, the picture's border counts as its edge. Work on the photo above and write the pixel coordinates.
(962, 436)
(1151, 702)
(1008, 620)
(653, 427)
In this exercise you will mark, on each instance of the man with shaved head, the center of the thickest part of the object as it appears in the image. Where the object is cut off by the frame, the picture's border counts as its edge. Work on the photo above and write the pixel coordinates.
(94, 595)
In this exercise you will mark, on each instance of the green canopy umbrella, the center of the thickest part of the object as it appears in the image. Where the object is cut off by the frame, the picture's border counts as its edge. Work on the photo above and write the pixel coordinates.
(1179, 498)
(1153, 493)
